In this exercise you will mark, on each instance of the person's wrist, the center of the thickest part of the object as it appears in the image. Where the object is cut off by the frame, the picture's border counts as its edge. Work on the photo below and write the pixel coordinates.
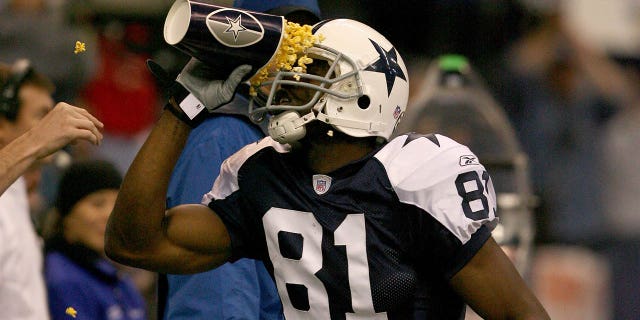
(33, 145)
(185, 106)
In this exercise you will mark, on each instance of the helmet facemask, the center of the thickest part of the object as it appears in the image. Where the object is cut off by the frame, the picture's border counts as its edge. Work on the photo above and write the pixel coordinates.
(323, 78)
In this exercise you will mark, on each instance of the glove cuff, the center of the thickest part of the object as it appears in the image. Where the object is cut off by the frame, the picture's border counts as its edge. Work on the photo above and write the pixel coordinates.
(185, 106)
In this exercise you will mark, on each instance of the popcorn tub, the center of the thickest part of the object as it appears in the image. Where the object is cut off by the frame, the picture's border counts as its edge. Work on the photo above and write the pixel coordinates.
(226, 38)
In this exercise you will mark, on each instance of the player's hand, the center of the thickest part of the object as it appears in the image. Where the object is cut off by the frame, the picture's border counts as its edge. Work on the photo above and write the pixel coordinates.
(207, 86)
(63, 125)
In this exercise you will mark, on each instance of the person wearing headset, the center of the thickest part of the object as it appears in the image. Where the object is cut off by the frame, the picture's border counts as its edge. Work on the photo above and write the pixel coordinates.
(32, 127)
(24, 141)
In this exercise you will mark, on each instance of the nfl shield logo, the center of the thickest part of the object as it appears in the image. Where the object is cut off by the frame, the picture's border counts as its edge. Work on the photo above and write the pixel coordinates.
(397, 112)
(321, 183)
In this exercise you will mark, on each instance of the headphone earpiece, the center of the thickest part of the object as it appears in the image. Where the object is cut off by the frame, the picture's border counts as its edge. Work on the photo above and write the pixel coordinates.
(9, 102)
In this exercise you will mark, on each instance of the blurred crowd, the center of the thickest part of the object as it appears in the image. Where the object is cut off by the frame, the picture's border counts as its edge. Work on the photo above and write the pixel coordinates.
(570, 103)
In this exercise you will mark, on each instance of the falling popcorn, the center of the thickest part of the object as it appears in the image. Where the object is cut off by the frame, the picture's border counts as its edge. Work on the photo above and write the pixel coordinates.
(70, 310)
(79, 47)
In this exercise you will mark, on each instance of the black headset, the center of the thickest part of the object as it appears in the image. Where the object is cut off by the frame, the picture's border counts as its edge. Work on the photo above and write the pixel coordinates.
(9, 102)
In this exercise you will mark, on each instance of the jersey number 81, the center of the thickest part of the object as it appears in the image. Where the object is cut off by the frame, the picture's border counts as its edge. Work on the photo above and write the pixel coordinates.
(299, 271)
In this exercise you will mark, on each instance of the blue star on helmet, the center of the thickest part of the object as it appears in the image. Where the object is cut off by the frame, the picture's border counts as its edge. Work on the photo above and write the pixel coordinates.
(387, 64)
(235, 26)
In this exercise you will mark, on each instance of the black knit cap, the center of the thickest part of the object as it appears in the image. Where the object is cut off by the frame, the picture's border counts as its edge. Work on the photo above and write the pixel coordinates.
(83, 178)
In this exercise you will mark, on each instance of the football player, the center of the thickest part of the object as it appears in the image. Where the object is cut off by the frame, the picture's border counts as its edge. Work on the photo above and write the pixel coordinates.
(350, 225)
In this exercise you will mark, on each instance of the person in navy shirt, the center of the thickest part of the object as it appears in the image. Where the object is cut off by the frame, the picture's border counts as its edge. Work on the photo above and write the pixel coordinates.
(349, 224)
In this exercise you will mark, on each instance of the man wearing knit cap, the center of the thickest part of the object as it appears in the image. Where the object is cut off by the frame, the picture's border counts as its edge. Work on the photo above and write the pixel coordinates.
(82, 179)
(243, 289)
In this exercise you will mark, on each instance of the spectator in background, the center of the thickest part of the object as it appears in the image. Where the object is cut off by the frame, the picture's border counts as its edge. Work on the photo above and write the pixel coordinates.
(122, 93)
(244, 289)
(77, 273)
(560, 92)
(621, 183)
(572, 105)
(29, 131)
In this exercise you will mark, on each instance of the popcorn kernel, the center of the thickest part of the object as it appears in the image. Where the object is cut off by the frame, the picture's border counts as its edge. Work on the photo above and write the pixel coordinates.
(71, 311)
(80, 47)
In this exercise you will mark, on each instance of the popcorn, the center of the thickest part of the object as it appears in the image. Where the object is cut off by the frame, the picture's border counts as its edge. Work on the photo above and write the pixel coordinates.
(71, 311)
(80, 47)
(290, 55)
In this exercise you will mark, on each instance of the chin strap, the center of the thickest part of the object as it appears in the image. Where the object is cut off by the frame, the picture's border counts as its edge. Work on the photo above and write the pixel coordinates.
(371, 126)
(289, 126)
(353, 124)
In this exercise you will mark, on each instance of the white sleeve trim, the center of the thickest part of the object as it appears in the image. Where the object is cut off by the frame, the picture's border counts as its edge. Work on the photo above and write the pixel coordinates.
(424, 174)
(227, 181)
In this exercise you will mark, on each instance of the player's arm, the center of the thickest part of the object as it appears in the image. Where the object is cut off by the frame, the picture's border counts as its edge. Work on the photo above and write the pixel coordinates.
(184, 239)
(64, 124)
(492, 286)
(141, 234)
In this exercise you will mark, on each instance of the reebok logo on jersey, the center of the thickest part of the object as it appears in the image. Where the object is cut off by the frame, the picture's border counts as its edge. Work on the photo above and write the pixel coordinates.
(235, 28)
(468, 160)
(321, 183)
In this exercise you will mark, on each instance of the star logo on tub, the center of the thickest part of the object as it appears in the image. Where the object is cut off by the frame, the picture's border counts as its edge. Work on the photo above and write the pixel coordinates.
(235, 26)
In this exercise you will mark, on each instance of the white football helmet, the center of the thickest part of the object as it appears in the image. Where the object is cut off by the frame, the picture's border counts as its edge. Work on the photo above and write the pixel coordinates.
(364, 92)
